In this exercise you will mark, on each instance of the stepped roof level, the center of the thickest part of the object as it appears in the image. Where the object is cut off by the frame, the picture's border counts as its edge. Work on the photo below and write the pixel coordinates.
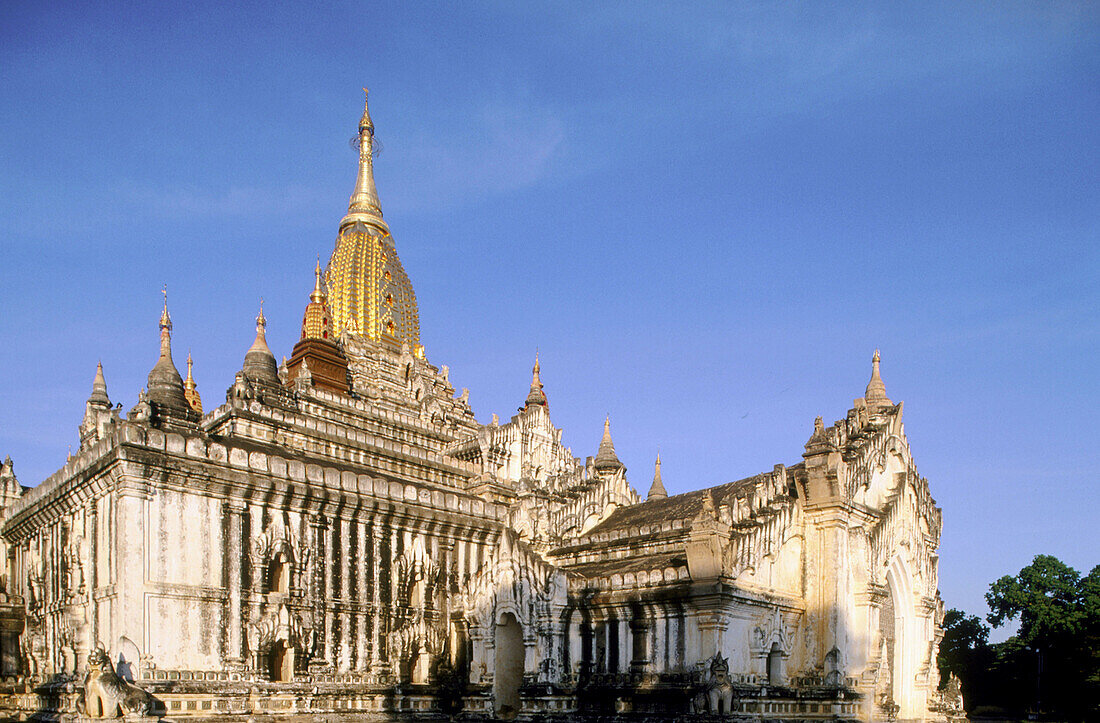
(369, 293)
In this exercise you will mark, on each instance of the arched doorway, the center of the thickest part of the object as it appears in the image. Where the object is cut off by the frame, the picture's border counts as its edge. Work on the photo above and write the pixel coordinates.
(897, 626)
(281, 662)
(508, 666)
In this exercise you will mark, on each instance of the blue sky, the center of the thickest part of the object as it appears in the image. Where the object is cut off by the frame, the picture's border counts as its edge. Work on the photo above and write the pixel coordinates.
(705, 219)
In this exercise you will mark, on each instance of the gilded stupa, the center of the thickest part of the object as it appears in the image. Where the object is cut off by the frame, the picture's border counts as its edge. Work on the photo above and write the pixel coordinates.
(369, 293)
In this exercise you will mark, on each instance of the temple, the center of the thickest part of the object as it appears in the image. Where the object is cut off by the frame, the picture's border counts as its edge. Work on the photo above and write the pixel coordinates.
(342, 538)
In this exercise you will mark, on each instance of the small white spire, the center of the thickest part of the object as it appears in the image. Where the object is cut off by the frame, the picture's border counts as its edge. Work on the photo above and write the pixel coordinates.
(657, 489)
(876, 390)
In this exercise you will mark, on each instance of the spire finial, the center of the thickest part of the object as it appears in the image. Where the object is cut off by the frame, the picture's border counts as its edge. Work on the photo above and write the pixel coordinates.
(259, 362)
(99, 387)
(536, 396)
(605, 455)
(364, 204)
(876, 390)
(165, 318)
(318, 295)
(165, 383)
(190, 389)
(657, 489)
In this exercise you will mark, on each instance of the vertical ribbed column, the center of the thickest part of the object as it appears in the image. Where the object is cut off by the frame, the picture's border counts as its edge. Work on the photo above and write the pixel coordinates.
(361, 597)
(327, 593)
(91, 580)
(344, 649)
(376, 608)
(234, 551)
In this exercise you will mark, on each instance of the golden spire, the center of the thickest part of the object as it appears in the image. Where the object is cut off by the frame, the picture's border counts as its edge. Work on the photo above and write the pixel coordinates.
(190, 389)
(876, 390)
(318, 294)
(369, 293)
(316, 322)
(364, 204)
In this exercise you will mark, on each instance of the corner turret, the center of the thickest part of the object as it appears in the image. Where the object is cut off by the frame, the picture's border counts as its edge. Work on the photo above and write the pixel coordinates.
(99, 417)
(165, 398)
(259, 362)
(657, 489)
(606, 459)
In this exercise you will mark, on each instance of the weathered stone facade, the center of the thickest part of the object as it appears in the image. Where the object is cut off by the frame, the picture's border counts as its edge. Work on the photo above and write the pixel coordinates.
(349, 541)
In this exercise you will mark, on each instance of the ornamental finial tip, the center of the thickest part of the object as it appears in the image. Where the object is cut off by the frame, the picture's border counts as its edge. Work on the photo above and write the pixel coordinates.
(165, 318)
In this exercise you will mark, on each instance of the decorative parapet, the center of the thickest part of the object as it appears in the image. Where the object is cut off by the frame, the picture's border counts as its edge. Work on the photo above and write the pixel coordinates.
(200, 448)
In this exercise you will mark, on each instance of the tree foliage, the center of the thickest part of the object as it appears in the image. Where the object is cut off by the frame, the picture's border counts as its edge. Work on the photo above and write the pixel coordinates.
(1047, 597)
(1052, 664)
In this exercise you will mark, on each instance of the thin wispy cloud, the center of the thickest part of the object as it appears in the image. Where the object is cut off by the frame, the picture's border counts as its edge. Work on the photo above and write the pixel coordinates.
(500, 148)
(235, 201)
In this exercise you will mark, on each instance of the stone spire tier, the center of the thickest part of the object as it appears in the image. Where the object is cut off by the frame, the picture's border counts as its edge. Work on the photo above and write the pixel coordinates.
(259, 362)
(98, 414)
(876, 390)
(606, 459)
(99, 389)
(536, 397)
(657, 489)
(165, 383)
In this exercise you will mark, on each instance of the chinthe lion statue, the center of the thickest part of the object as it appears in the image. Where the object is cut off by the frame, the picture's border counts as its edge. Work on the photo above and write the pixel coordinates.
(106, 695)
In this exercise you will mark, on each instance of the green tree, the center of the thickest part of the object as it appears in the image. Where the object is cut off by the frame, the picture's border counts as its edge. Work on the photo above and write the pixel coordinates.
(1059, 613)
(1045, 595)
(965, 652)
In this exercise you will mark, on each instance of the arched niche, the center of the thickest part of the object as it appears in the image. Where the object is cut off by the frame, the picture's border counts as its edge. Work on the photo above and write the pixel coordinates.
(775, 665)
(281, 662)
(508, 666)
(278, 573)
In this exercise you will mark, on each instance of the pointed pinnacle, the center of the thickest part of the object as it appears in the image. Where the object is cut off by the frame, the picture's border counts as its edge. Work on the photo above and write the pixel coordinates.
(876, 389)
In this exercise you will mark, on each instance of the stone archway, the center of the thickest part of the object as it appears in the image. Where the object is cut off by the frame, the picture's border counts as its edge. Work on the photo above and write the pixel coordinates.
(898, 622)
(508, 666)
